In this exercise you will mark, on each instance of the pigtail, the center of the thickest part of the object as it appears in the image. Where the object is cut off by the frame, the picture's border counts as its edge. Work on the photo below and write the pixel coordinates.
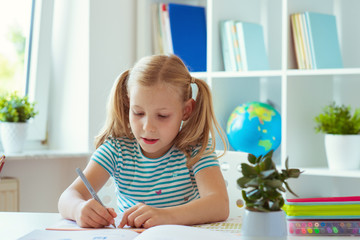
(117, 122)
(202, 121)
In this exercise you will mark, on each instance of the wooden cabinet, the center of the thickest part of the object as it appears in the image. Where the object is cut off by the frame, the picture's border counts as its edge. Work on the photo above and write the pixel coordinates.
(9, 194)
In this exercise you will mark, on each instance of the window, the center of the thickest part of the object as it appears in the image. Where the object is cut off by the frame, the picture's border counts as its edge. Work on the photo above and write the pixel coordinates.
(25, 54)
(15, 36)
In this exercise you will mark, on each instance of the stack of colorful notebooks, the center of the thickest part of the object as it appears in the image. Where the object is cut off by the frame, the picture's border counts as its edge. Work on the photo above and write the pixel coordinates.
(323, 216)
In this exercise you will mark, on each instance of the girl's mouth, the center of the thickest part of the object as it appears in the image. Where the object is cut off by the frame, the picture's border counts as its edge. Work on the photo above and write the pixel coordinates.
(149, 140)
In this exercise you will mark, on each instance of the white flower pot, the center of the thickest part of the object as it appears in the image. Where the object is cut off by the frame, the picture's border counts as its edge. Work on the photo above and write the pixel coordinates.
(13, 136)
(264, 224)
(342, 151)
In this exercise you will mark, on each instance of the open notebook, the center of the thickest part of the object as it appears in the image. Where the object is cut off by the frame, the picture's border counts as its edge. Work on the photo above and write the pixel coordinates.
(67, 229)
(232, 225)
(69, 225)
(168, 232)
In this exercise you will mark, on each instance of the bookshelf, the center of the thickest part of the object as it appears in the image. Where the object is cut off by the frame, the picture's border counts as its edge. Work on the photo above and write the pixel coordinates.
(299, 95)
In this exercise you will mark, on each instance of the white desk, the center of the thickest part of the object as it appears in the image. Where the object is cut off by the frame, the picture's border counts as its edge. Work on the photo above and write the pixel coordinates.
(14, 225)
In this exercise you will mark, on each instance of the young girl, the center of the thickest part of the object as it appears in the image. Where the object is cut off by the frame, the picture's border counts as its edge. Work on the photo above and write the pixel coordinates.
(158, 144)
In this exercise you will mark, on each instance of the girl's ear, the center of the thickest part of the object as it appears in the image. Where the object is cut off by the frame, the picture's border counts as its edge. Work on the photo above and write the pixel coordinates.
(188, 109)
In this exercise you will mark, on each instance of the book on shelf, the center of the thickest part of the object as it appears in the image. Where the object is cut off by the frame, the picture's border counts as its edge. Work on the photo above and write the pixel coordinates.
(308, 46)
(181, 30)
(323, 37)
(298, 47)
(235, 42)
(243, 46)
(316, 40)
(166, 27)
(303, 41)
(156, 26)
(227, 36)
(188, 33)
(162, 42)
(253, 52)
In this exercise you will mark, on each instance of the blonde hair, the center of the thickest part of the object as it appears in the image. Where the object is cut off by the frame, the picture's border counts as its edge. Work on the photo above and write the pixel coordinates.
(169, 69)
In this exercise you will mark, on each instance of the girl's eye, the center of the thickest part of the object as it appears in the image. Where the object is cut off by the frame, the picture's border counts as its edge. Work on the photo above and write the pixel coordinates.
(138, 113)
(163, 116)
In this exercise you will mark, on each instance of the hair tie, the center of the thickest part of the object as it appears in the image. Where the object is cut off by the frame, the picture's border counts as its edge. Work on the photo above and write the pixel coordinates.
(192, 80)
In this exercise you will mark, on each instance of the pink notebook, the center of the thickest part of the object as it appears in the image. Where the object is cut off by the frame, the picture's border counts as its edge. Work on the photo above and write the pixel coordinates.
(326, 199)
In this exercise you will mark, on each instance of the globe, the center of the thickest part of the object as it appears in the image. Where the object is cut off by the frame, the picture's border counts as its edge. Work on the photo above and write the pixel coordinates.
(254, 127)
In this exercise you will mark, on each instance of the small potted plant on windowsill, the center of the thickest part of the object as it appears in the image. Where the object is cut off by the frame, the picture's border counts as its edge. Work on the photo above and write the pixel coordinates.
(342, 138)
(263, 188)
(15, 111)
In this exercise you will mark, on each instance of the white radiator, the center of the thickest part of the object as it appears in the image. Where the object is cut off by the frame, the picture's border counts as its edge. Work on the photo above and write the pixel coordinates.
(9, 194)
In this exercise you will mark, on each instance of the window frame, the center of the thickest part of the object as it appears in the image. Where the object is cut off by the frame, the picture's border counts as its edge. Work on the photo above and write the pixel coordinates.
(40, 67)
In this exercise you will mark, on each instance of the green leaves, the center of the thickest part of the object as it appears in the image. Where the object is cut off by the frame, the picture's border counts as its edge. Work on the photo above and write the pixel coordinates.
(247, 170)
(252, 159)
(14, 108)
(338, 120)
(262, 183)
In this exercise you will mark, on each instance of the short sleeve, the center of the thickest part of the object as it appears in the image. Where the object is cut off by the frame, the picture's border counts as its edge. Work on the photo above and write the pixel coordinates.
(106, 155)
(204, 162)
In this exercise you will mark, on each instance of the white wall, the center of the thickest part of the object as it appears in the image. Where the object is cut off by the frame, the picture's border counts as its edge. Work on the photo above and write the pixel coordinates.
(93, 42)
(42, 180)
(112, 51)
(69, 86)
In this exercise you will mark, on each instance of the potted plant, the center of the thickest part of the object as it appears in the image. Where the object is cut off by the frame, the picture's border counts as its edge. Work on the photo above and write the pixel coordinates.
(15, 111)
(262, 190)
(342, 139)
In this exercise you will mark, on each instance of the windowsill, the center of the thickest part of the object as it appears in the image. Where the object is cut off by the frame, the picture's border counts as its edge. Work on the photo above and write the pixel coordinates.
(45, 154)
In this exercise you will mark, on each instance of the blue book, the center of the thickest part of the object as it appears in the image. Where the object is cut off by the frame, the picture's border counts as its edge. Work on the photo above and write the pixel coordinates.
(228, 48)
(324, 42)
(188, 33)
(252, 46)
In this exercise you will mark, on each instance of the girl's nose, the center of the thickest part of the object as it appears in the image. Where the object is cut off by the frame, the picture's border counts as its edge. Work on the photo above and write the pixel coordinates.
(149, 125)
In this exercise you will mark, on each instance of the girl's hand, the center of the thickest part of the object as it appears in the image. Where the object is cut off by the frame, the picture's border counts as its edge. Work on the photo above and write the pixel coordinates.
(142, 215)
(92, 214)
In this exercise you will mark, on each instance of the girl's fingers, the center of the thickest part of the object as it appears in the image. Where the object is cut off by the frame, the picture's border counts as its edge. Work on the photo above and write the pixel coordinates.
(100, 219)
(137, 213)
(94, 224)
(124, 220)
(127, 219)
(102, 215)
(140, 219)
(148, 223)
(122, 223)
(112, 212)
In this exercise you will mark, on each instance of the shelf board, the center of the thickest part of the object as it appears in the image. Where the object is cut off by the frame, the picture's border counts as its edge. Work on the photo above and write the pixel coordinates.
(279, 73)
(269, 73)
(331, 173)
(201, 75)
(323, 72)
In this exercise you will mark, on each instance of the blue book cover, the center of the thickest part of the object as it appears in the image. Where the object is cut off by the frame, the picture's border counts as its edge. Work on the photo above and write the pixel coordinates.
(227, 45)
(252, 46)
(188, 33)
(324, 42)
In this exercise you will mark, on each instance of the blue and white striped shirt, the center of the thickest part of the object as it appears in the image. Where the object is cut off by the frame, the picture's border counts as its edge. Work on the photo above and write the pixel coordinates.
(160, 182)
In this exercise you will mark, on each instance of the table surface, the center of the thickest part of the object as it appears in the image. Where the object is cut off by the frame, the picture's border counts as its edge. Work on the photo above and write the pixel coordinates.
(14, 225)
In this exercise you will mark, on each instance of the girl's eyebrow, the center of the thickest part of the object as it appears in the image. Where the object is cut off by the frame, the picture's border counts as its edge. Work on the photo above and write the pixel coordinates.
(158, 109)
